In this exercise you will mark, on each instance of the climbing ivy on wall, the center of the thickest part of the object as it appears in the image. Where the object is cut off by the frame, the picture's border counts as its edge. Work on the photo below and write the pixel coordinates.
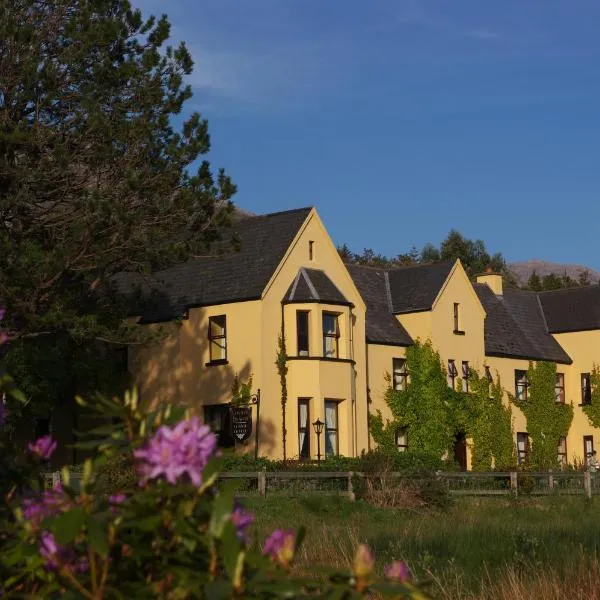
(423, 407)
(592, 410)
(433, 413)
(491, 429)
(282, 369)
(547, 420)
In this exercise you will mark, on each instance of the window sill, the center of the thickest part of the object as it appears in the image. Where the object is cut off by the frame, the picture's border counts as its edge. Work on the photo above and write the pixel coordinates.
(585, 404)
(322, 358)
(458, 332)
(216, 363)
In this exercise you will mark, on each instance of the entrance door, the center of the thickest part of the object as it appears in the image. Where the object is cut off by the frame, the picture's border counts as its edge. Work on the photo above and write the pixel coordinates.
(460, 450)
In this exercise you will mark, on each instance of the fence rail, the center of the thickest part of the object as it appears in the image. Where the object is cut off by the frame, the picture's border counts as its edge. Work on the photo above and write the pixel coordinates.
(344, 483)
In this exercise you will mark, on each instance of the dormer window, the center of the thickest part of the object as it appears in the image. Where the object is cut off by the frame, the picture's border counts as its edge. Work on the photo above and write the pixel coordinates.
(457, 330)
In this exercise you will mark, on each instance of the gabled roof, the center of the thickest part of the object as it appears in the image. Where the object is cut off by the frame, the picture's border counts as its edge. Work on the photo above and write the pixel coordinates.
(415, 288)
(515, 326)
(232, 276)
(313, 285)
(573, 309)
(382, 326)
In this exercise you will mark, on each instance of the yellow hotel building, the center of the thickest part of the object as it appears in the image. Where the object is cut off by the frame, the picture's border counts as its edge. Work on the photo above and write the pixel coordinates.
(345, 327)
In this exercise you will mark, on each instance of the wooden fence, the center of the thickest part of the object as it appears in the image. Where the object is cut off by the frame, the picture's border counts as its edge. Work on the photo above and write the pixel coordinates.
(345, 483)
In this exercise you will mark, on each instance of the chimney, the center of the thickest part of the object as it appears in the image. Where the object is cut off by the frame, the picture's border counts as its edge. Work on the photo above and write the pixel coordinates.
(494, 280)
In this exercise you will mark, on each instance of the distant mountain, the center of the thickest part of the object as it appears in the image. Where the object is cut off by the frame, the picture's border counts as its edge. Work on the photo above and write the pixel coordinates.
(525, 268)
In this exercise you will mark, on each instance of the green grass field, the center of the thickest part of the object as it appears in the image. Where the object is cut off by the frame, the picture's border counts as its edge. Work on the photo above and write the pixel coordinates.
(478, 548)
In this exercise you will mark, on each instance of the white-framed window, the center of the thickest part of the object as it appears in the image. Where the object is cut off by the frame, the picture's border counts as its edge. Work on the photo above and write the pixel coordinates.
(452, 373)
(559, 388)
(466, 373)
(402, 439)
(521, 385)
(522, 447)
(302, 338)
(588, 448)
(562, 451)
(217, 337)
(304, 428)
(586, 389)
(331, 428)
(331, 334)
(399, 374)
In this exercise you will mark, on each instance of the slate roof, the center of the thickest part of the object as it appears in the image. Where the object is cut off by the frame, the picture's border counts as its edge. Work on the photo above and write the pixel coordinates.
(573, 309)
(515, 326)
(415, 288)
(382, 326)
(229, 277)
(313, 285)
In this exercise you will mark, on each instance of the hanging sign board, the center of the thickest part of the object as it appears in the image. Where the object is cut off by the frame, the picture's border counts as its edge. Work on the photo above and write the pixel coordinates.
(241, 422)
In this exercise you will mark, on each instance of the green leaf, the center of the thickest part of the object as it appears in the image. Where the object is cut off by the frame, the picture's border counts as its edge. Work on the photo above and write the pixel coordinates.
(222, 509)
(300, 535)
(66, 527)
(218, 590)
(231, 549)
(97, 536)
(148, 523)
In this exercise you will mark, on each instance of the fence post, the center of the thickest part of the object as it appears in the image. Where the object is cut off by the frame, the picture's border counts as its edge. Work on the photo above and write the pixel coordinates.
(351, 493)
(551, 481)
(55, 478)
(262, 482)
(513, 483)
(587, 483)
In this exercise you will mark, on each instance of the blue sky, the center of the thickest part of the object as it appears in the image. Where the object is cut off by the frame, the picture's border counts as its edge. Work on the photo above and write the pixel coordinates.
(400, 120)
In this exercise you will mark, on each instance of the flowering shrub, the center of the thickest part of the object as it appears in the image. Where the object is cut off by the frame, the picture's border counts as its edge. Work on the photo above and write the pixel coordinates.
(177, 533)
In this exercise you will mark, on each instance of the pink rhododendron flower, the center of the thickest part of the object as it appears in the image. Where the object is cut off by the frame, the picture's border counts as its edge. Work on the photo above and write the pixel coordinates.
(43, 447)
(174, 452)
(49, 550)
(242, 519)
(398, 571)
(281, 546)
(50, 503)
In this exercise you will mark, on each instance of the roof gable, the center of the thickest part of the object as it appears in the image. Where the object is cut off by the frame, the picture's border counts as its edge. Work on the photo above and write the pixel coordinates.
(232, 276)
(415, 288)
(313, 285)
(573, 309)
(515, 327)
(382, 327)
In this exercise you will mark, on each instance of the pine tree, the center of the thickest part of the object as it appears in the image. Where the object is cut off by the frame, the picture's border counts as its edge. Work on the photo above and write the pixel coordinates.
(95, 177)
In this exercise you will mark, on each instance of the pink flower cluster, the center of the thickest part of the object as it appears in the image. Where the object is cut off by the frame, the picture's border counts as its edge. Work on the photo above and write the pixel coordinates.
(43, 447)
(281, 546)
(176, 452)
(53, 501)
(242, 519)
(56, 556)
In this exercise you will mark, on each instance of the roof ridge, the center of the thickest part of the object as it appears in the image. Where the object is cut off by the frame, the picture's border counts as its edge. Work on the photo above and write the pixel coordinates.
(539, 302)
(571, 289)
(281, 212)
(294, 286)
(310, 284)
(388, 292)
(421, 265)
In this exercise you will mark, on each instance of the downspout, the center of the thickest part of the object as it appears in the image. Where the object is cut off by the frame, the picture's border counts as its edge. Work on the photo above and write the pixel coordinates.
(283, 376)
(368, 396)
(353, 387)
